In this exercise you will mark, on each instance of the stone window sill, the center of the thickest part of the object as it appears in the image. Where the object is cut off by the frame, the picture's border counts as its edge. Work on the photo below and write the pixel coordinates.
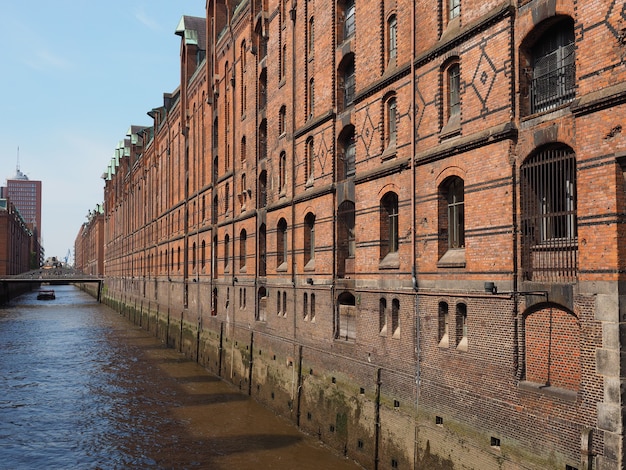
(554, 392)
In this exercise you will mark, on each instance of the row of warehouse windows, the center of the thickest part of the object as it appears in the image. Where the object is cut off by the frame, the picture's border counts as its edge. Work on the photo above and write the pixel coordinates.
(548, 71)
(548, 223)
(549, 84)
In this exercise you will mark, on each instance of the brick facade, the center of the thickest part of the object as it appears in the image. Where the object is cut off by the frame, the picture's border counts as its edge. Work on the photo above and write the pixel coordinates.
(398, 224)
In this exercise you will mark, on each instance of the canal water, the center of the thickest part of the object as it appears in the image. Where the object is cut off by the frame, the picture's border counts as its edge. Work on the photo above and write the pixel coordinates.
(82, 388)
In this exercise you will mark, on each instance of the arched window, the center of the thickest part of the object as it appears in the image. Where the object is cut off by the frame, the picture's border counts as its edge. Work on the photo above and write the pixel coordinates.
(193, 257)
(262, 305)
(282, 172)
(347, 11)
(454, 9)
(453, 94)
(452, 219)
(395, 318)
(382, 316)
(392, 40)
(311, 98)
(345, 317)
(346, 238)
(282, 116)
(281, 244)
(263, 140)
(346, 82)
(262, 199)
(549, 215)
(346, 154)
(443, 327)
(553, 63)
(390, 121)
(263, 89)
(461, 326)
(309, 238)
(243, 151)
(311, 36)
(309, 162)
(226, 251)
(243, 238)
(388, 224)
(552, 348)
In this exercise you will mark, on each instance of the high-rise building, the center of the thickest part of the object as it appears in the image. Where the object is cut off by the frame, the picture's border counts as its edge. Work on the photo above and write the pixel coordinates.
(25, 195)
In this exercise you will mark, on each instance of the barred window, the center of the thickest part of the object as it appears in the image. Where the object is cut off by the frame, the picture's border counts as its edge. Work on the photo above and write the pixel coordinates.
(549, 220)
(554, 69)
(349, 84)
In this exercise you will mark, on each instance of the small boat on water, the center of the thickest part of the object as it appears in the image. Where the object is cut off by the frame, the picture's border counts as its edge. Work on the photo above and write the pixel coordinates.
(46, 294)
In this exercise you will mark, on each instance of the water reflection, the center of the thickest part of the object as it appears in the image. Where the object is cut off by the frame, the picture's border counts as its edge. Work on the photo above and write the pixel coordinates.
(82, 388)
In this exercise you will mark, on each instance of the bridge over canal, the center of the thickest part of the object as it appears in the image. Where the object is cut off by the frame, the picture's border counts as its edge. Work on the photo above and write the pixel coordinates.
(52, 276)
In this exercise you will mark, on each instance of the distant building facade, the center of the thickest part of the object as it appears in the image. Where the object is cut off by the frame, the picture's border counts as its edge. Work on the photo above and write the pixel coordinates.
(399, 224)
(15, 240)
(89, 244)
(25, 195)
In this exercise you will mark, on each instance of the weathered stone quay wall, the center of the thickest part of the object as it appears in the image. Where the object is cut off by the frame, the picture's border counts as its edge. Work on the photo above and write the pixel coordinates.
(328, 392)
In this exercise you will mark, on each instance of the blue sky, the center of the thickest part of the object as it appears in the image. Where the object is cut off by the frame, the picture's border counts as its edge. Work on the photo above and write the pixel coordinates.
(75, 75)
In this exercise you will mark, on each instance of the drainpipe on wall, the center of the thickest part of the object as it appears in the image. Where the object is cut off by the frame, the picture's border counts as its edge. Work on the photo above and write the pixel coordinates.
(292, 14)
(414, 239)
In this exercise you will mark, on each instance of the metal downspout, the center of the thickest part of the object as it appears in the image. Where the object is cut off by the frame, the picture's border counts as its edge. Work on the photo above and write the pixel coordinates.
(414, 238)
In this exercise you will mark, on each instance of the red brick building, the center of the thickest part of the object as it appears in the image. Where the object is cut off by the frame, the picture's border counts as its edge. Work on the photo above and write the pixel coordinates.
(15, 240)
(89, 244)
(399, 224)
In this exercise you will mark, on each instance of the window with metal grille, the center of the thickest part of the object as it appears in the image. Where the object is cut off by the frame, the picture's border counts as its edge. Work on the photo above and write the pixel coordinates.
(350, 157)
(553, 80)
(549, 221)
(349, 84)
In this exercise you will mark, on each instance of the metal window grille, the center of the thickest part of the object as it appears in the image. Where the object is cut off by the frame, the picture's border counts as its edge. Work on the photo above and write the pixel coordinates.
(549, 220)
(350, 158)
(554, 72)
(349, 86)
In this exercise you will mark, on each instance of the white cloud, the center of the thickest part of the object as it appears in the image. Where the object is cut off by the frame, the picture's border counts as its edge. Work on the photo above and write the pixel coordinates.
(45, 60)
(146, 20)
